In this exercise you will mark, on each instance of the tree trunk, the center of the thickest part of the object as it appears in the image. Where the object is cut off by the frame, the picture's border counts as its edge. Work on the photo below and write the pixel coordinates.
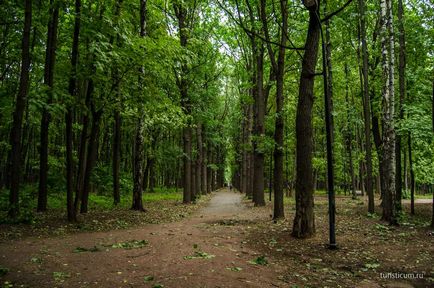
(116, 157)
(432, 185)
(412, 178)
(199, 160)
(279, 70)
(349, 136)
(402, 92)
(50, 58)
(15, 135)
(72, 215)
(388, 144)
(139, 140)
(92, 152)
(259, 131)
(366, 110)
(304, 221)
(83, 149)
(116, 150)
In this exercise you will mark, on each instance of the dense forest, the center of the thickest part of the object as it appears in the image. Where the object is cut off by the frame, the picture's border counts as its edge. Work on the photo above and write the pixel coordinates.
(240, 126)
(121, 97)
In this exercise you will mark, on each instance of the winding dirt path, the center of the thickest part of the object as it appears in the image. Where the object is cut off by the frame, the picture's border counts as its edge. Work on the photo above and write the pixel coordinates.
(215, 236)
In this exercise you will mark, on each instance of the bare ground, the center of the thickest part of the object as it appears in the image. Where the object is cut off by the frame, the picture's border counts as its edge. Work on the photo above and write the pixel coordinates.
(218, 247)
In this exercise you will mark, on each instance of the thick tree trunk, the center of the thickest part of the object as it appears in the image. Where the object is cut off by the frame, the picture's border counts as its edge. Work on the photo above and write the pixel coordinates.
(304, 221)
(15, 135)
(139, 139)
(388, 144)
(181, 15)
(50, 58)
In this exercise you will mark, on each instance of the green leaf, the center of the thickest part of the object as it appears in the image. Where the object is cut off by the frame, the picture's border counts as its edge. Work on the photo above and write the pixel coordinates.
(261, 260)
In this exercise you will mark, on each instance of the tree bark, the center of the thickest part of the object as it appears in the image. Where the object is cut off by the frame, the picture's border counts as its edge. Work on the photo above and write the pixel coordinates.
(92, 153)
(50, 58)
(402, 92)
(199, 161)
(412, 178)
(116, 157)
(388, 143)
(366, 109)
(20, 103)
(259, 130)
(304, 221)
(139, 140)
(72, 215)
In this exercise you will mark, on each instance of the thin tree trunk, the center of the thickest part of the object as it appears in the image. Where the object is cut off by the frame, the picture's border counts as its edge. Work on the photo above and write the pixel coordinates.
(349, 137)
(366, 110)
(199, 161)
(259, 129)
(412, 178)
(116, 157)
(92, 152)
(50, 58)
(304, 221)
(116, 150)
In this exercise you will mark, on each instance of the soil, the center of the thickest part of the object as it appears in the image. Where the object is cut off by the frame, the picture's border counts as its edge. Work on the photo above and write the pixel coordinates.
(227, 243)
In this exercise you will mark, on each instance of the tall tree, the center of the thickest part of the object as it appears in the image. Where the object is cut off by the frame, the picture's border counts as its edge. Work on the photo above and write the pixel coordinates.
(20, 104)
(279, 71)
(402, 92)
(366, 108)
(50, 58)
(139, 138)
(304, 221)
(388, 143)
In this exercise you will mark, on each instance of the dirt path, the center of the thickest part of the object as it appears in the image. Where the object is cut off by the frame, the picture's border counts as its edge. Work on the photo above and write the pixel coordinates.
(208, 249)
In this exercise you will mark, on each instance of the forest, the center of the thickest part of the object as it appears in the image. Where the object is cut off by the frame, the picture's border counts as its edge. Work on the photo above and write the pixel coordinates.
(283, 125)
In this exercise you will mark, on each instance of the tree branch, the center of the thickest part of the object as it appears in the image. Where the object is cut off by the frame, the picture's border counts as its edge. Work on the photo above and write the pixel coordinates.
(336, 12)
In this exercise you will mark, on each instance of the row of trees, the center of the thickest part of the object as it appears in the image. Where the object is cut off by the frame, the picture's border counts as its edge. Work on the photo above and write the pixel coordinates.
(114, 97)
(121, 96)
(360, 46)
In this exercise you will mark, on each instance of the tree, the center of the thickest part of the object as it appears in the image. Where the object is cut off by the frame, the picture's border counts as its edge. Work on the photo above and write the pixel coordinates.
(304, 221)
(402, 93)
(278, 68)
(139, 139)
(50, 59)
(20, 102)
(72, 206)
(366, 109)
(388, 143)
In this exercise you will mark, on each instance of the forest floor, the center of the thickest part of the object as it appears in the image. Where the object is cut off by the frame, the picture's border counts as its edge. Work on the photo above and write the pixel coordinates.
(228, 243)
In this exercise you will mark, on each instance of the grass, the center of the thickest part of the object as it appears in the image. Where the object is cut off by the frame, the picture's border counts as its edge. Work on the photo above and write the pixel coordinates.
(97, 202)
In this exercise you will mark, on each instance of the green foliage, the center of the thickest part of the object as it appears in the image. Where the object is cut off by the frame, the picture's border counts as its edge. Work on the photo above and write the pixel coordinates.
(131, 244)
(261, 260)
